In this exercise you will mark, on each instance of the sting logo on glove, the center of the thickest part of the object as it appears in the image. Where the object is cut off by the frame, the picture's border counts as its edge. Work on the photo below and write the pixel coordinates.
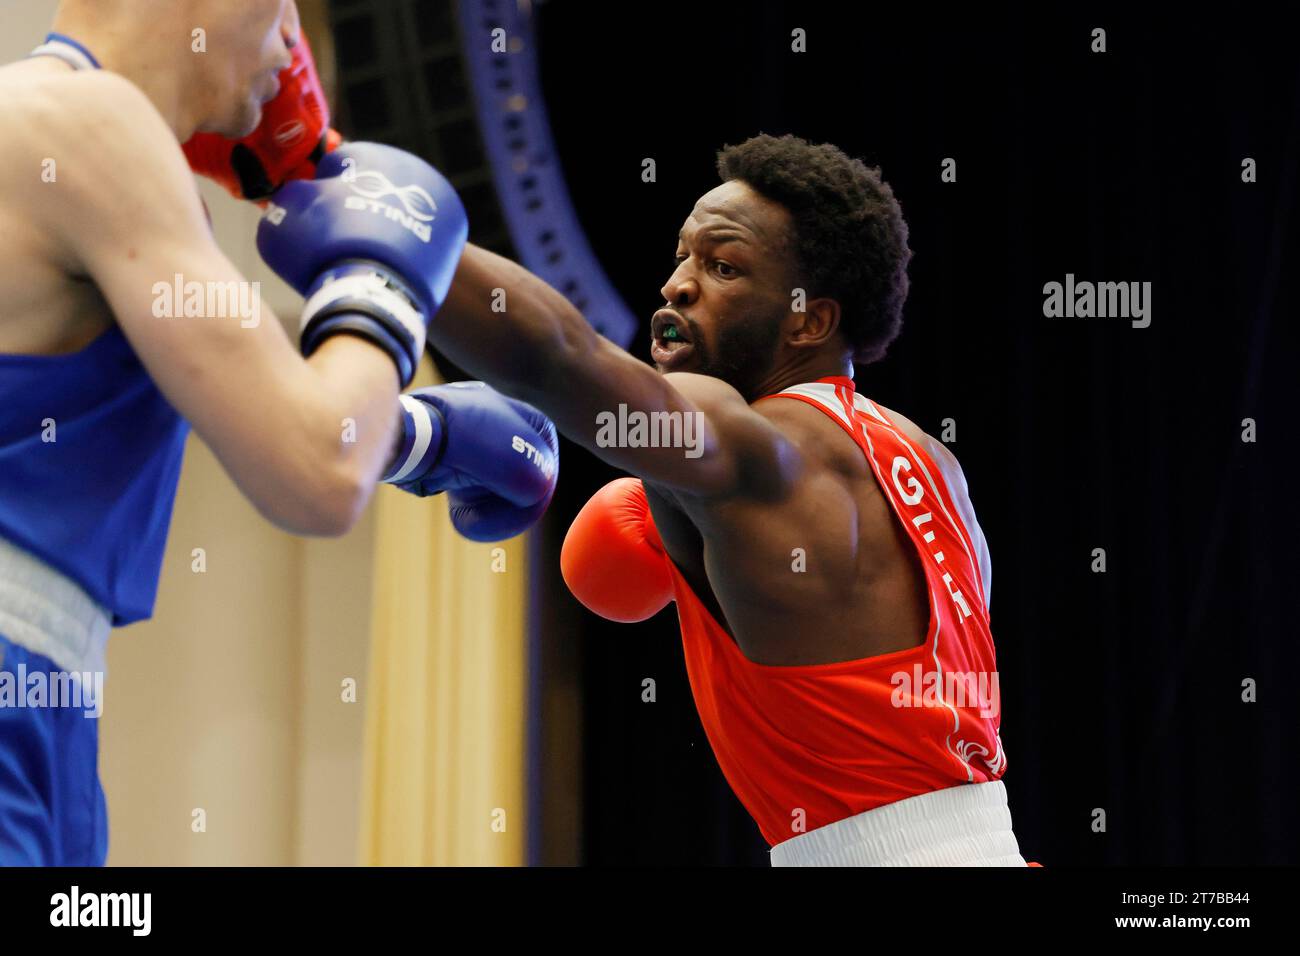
(545, 464)
(371, 186)
(453, 440)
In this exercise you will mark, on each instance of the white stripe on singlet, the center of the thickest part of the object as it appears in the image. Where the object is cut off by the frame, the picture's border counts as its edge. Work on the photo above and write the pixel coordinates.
(48, 613)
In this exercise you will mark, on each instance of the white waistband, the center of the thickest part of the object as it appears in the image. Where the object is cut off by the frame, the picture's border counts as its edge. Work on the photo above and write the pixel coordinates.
(49, 614)
(966, 825)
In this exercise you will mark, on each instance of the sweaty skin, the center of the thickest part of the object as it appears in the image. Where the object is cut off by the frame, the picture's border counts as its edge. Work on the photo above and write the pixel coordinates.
(774, 475)
(863, 590)
(84, 248)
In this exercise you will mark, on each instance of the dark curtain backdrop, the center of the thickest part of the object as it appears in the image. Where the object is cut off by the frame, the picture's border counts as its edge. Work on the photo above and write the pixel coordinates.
(1121, 690)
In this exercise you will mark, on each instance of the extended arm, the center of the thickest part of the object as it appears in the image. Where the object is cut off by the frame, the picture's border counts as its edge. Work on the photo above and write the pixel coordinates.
(539, 348)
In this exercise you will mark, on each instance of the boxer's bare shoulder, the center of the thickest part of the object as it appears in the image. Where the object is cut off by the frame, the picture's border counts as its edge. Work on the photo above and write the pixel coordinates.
(80, 132)
(48, 106)
(88, 160)
(921, 439)
(912, 431)
(831, 455)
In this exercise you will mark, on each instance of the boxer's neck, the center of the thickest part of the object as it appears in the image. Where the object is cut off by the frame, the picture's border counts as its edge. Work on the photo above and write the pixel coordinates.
(801, 368)
(150, 58)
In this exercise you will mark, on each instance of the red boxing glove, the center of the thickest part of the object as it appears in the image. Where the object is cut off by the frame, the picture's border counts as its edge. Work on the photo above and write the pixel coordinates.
(613, 559)
(288, 143)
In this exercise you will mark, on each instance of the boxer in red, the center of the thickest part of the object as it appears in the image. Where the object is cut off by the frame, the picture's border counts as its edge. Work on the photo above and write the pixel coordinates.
(830, 577)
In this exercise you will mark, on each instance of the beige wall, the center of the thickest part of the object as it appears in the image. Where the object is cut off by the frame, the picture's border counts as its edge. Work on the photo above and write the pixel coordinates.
(229, 699)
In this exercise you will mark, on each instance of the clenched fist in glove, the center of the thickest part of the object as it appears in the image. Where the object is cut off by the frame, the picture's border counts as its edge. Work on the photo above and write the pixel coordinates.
(496, 458)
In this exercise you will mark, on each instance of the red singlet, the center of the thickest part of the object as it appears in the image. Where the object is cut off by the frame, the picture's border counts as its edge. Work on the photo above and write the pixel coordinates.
(807, 746)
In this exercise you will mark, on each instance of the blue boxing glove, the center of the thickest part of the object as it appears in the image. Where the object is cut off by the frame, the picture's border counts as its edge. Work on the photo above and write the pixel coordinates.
(497, 458)
(372, 244)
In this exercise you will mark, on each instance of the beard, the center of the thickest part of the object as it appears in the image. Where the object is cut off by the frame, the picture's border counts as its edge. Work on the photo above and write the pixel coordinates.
(744, 354)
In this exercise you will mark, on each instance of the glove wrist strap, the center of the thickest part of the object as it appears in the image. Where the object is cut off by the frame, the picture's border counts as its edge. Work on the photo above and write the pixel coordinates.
(423, 442)
(365, 299)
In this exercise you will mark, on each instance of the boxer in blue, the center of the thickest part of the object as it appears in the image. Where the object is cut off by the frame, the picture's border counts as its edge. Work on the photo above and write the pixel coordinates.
(99, 384)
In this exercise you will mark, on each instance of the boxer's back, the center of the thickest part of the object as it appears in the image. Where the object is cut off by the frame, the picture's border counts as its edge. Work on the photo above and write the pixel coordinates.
(47, 306)
(826, 672)
(90, 450)
(826, 574)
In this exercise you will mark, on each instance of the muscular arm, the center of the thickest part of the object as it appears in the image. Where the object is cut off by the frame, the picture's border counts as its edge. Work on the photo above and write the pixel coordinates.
(540, 349)
(125, 208)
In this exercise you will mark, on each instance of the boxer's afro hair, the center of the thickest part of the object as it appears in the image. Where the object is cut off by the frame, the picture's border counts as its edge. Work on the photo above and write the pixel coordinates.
(850, 241)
